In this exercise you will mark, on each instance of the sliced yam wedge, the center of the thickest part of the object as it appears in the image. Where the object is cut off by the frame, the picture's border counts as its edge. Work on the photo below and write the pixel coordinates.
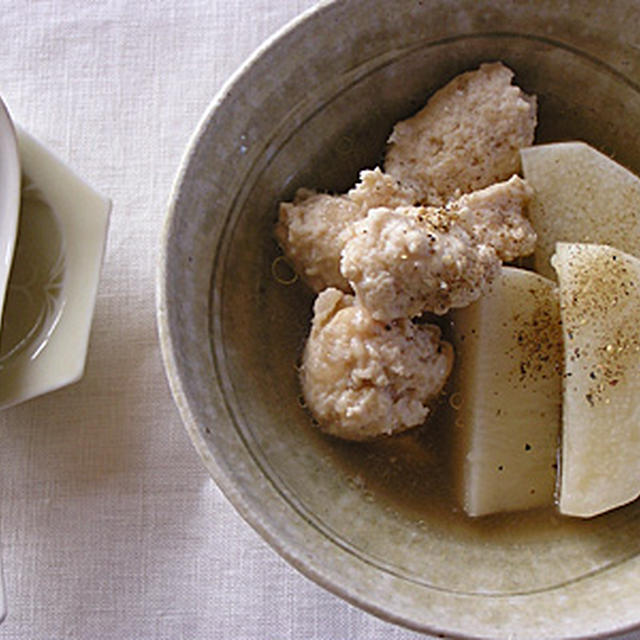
(600, 308)
(507, 395)
(581, 195)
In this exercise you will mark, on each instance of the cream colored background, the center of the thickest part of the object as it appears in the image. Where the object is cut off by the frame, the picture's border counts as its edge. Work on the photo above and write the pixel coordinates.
(110, 526)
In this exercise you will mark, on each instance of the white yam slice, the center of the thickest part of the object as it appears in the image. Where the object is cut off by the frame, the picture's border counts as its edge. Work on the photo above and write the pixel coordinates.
(600, 308)
(508, 395)
(581, 195)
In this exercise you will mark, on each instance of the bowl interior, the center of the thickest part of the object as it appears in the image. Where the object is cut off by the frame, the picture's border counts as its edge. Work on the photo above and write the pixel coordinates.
(9, 198)
(374, 522)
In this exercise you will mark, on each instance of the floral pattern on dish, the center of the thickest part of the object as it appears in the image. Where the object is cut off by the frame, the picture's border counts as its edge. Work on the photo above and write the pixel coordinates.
(34, 300)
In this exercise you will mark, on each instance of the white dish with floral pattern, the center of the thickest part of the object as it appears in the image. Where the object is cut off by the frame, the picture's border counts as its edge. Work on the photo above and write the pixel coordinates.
(54, 279)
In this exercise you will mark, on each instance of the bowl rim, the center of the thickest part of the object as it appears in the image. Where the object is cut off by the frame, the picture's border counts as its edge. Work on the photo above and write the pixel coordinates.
(300, 561)
(299, 558)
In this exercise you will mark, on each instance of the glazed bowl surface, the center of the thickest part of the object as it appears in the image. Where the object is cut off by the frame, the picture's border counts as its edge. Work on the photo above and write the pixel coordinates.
(374, 523)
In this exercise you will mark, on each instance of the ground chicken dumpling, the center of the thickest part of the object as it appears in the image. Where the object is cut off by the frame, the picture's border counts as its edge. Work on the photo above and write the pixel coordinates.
(311, 229)
(496, 216)
(465, 138)
(361, 378)
(405, 261)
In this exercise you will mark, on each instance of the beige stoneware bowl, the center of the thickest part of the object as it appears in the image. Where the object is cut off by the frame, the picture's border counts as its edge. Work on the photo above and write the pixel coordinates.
(374, 523)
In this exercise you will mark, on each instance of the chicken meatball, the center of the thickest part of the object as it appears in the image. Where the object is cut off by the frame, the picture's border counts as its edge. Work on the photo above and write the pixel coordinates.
(404, 261)
(311, 229)
(465, 138)
(496, 216)
(362, 378)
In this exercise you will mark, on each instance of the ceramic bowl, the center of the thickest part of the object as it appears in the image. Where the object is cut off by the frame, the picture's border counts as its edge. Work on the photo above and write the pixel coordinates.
(373, 523)
(54, 277)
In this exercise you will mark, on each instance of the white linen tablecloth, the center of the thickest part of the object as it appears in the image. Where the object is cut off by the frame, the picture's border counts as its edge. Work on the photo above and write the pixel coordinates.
(110, 526)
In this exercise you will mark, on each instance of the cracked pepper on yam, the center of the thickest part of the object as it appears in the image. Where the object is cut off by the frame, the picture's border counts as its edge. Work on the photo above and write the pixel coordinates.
(426, 233)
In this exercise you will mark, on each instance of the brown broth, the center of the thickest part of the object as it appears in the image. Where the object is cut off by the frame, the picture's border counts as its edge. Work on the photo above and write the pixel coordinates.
(410, 475)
